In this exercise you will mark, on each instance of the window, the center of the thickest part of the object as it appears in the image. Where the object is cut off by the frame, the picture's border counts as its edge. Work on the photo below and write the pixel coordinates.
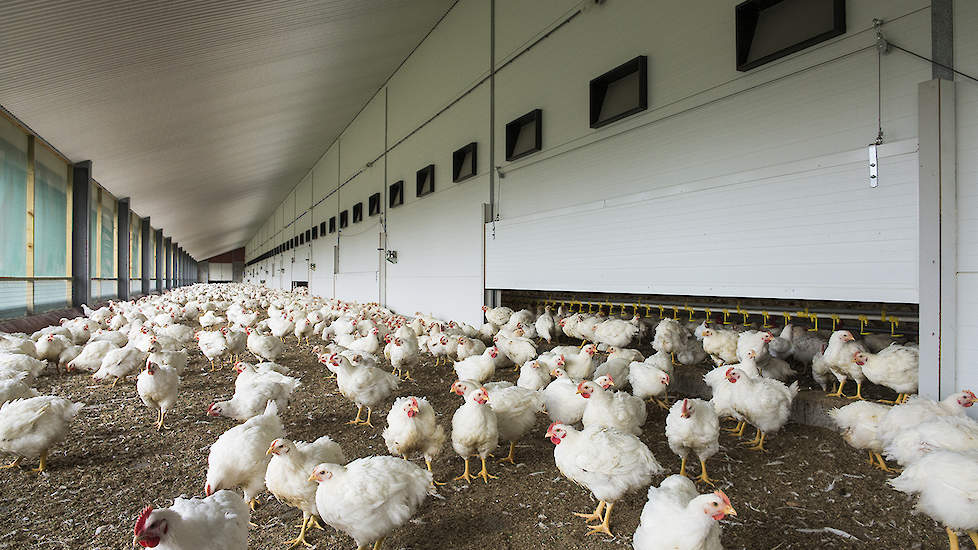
(620, 92)
(302, 238)
(373, 205)
(396, 194)
(315, 232)
(358, 212)
(464, 164)
(308, 235)
(332, 224)
(771, 29)
(426, 181)
(344, 218)
(322, 228)
(524, 136)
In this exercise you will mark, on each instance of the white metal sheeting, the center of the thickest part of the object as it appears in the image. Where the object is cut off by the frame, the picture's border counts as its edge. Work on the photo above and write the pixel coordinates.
(203, 112)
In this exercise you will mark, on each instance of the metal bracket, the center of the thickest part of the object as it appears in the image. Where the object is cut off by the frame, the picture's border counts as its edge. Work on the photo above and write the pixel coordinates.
(392, 256)
(881, 44)
(874, 180)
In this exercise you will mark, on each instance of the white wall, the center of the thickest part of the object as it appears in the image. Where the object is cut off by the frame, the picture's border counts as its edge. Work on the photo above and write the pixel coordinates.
(731, 184)
(219, 271)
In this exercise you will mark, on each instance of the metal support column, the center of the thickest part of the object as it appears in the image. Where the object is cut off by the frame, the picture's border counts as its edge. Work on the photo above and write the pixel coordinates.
(146, 255)
(937, 233)
(160, 256)
(123, 249)
(168, 263)
(81, 279)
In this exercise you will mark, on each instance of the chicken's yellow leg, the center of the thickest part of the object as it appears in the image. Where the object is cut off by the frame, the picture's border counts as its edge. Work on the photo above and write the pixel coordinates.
(44, 460)
(367, 421)
(465, 475)
(301, 539)
(511, 456)
(605, 525)
(13, 464)
(357, 419)
(379, 543)
(757, 437)
(596, 515)
(484, 474)
(738, 429)
(760, 444)
(974, 538)
(859, 392)
(159, 423)
(427, 462)
(703, 477)
(872, 458)
(952, 539)
(838, 392)
(682, 467)
(882, 465)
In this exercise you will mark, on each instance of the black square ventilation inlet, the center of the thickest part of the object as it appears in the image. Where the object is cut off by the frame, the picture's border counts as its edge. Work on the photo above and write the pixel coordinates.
(771, 29)
(620, 92)
(426, 180)
(464, 163)
(524, 136)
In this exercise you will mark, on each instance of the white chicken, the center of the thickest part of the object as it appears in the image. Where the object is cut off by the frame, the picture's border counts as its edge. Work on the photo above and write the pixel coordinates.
(211, 319)
(617, 332)
(533, 376)
(676, 517)
(90, 359)
(212, 344)
(498, 316)
(157, 386)
(287, 475)
(840, 357)
(16, 388)
(670, 337)
(475, 431)
(479, 367)
(236, 342)
(404, 355)
(649, 382)
(218, 522)
(14, 365)
(30, 427)
(605, 461)
(412, 429)
(516, 411)
(281, 326)
(945, 433)
(365, 386)
(545, 325)
(946, 483)
(564, 404)
(762, 402)
(580, 364)
(254, 392)
(265, 347)
(860, 425)
(611, 409)
(721, 345)
(894, 367)
(469, 347)
(119, 363)
(692, 426)
(370, 497)
(239, 457)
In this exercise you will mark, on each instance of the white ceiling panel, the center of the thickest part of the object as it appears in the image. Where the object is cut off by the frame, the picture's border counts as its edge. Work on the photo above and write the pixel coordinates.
(206, 113)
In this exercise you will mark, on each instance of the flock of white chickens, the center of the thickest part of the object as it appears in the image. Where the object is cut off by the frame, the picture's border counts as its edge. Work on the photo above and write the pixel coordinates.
(597, 408)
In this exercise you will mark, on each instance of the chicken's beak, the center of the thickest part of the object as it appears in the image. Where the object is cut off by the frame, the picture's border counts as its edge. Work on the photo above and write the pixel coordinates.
(135, 540)
(579, 392)
(312, 478)
(270, 451)
(729, 510)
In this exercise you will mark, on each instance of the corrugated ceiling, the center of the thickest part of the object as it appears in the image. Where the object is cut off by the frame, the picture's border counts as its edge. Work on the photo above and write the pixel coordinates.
(206, 113)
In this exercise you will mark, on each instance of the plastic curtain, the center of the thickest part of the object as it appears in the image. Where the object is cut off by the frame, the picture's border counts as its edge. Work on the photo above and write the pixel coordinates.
(50, 218)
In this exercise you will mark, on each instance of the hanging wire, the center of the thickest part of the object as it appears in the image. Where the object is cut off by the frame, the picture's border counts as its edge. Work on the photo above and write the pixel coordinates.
(929, 60)
(882, 46)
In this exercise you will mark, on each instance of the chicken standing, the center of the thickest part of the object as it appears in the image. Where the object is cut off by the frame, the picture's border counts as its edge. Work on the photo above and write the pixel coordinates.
(762, 402)
(157, 386)
(860, 425)
(677, 518)
(475, 431)
(946, 484)
(365, 386)
(611, 409)
(30, 427)
(253, 392)
(894, 367)
(605, 461)
(564, 403)
(218, 522)
(692, 426)
(287, 475)
(412, 429)
(370, 497)
(212, 344)
(239, 457)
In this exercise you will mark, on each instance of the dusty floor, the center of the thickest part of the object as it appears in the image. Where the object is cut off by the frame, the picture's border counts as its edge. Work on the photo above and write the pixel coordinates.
(809, 491)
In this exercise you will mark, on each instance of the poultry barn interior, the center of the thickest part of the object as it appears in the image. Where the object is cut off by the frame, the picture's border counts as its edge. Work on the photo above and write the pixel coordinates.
(429, 274)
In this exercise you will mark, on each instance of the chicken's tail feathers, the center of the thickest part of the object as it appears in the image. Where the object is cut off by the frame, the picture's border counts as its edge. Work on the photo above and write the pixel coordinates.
(271, 408)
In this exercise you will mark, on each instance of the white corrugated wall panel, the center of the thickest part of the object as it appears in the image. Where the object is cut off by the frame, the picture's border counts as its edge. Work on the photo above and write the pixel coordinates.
(363, 140)
(453, 58)
(519, 23)
(801, 230)
(439, 264)
(303, 194)
(358, 276)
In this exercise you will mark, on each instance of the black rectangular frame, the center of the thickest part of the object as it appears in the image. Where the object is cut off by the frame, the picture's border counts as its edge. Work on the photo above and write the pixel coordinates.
(426, 173)
(315, 232)
(395, 195)
(513, 133)
(746, 15)
(332, 224)
(458, 156)
(599, 87)
(373, 204)
(322, 228)
(358, 212)
(344, 218)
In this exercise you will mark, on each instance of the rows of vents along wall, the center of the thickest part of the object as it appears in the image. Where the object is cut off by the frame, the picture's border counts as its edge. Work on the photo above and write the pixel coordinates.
(766, 30)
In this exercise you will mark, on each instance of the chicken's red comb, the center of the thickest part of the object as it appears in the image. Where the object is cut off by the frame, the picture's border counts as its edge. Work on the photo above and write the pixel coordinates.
(970, 394)
(141, 522)
(728, 371)
(723, 497)
(551, 426)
